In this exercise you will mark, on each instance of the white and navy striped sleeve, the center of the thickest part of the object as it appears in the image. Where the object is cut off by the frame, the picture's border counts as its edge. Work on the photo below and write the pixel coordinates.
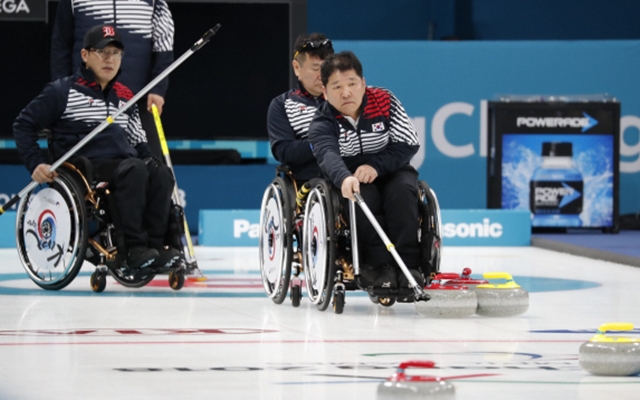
(162, 28)
(402, 129)
(135, 133)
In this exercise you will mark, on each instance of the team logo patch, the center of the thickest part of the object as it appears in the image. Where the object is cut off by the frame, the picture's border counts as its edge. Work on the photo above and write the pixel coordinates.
(378, 127)
(108, 31)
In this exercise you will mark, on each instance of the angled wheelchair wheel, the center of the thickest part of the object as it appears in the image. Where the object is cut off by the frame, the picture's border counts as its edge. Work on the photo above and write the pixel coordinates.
(275, 239)
(318, 245)
(431, 229)
(51, 231)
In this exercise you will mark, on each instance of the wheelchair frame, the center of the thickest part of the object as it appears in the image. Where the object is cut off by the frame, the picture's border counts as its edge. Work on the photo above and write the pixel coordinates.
(330, 275)
(92, 225)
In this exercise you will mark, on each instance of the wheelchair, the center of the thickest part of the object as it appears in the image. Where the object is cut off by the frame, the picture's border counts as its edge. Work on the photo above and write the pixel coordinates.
(304, 230)
(73, 219)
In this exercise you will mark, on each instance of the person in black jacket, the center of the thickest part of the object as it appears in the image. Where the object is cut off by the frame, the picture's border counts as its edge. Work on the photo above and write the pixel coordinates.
(147, 30)
(363, 140)
(291, 112)
(71, 108)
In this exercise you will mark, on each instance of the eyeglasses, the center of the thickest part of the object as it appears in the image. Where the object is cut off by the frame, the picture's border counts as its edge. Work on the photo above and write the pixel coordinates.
(311, 45)
(104, 54)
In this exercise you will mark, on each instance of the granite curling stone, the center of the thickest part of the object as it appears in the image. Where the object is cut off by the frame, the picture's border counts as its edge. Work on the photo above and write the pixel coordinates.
(501, 300)
(450, 301)
(401, 386)
(611, 355)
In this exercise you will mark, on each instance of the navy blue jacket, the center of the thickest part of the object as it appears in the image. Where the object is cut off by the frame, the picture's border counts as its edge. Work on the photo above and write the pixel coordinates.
(385, 138)
(288, 122)
(146, 27)
(71, 108)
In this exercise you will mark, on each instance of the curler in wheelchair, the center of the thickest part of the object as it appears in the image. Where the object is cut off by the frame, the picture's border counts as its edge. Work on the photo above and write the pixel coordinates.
(72, 219)
(314, 237)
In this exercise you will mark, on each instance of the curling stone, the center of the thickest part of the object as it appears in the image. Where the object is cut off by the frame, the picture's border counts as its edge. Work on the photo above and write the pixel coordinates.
(611, 355)
(503, 299)
(451, 301)
(401, 386)
(466, 280)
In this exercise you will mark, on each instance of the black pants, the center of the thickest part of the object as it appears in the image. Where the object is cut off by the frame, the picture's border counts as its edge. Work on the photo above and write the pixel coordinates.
(143, 198)
(393, 200)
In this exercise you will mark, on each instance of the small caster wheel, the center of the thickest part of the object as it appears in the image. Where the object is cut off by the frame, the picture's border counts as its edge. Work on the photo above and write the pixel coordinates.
(387, 301)
(98, 282)
(374, 299)
(176, 280)
(338, 302)
(296, 295)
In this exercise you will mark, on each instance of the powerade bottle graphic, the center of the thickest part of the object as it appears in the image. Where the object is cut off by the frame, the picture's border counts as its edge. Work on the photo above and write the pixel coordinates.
(556, 188)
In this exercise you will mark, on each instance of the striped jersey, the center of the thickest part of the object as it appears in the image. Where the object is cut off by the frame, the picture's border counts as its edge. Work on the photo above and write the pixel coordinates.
(71, 108)
(384, 137)
(147, 31)
(288, 122)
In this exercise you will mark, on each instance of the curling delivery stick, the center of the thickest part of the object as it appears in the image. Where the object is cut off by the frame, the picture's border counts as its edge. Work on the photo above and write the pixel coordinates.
(187, 243)
(419, 294)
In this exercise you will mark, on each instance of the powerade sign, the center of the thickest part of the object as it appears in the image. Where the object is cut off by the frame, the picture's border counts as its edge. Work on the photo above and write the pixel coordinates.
(558, 160)
(459, 228)
(585, 123)
(486, 228)
(23, 10)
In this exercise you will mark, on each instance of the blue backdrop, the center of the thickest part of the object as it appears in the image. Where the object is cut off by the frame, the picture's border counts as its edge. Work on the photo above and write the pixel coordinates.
(444, 86)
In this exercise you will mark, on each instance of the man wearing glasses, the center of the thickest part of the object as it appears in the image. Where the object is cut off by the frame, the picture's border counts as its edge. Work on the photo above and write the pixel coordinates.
(147, 29)
(290, 113)
(71, 108)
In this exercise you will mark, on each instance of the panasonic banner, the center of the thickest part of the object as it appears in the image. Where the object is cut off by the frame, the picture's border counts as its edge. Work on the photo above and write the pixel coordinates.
(557, 159)
(459, 228)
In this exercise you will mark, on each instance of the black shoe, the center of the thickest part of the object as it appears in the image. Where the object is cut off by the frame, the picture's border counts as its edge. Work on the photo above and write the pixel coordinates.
(168, 258)
(141, 257)
(385, 276)
(367, 275)
(404, 282)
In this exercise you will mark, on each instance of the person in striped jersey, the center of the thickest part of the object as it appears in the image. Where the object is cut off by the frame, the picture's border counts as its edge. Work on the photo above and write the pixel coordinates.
(363, 140)
(71, 108)
(290, 113)
(147, 30)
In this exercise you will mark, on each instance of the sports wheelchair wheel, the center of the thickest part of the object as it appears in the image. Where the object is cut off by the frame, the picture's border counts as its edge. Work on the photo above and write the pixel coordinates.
(275, 239)
(430, 230)
(319, 245)
(51, 231)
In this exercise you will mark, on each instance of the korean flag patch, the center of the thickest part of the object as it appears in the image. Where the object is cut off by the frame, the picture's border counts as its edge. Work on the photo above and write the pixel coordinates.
(378, 127)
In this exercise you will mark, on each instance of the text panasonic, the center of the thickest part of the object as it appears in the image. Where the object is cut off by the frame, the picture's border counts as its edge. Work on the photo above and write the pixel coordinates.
(482, 229)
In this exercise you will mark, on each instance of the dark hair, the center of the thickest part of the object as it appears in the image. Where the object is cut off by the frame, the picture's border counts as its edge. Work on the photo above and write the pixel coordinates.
(343, 61)
(315, 44)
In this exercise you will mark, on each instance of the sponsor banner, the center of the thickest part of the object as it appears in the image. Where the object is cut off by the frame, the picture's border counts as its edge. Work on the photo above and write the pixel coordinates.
(8, 230)
(486, 228)
(23, 10)
(459, 227)
(228, 227)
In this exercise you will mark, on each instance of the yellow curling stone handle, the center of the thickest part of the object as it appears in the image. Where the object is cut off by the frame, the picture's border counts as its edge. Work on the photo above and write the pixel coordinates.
(600, 336)
(509, 284)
